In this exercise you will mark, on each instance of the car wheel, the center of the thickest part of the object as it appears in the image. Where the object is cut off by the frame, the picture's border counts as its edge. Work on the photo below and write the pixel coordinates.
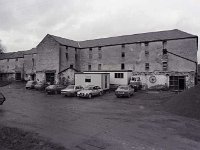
(90, 96)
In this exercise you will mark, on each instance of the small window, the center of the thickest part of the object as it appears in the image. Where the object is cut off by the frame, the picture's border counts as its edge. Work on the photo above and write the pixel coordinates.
(164, 51)
(88, 79)
(146, 43)
(119, 75)
(146, 66)
(123, 45)
(71, 66)
(89, 67)
(90, 49)
(99, 66)
(16, 59)
(123, 54)
(66, 55)
(122, 66)
(165, 66)
(146, 52)
(99, 48)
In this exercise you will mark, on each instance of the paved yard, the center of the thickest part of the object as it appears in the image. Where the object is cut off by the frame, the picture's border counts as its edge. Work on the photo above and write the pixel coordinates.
(106, 122)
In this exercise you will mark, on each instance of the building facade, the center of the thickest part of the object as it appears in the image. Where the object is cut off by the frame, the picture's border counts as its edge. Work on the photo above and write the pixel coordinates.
(143, 55)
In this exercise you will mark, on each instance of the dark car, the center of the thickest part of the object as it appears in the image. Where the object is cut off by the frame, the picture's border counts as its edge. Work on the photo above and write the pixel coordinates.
(71, 90)
(54, 89)
(124, 91)
(30, 84)
(41, 86)
(2, 98)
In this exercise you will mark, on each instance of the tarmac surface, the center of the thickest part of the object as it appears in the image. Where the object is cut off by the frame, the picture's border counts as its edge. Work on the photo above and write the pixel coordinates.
(106, 122)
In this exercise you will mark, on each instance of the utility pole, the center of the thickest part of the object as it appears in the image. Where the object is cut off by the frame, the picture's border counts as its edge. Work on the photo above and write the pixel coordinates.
(165, 51)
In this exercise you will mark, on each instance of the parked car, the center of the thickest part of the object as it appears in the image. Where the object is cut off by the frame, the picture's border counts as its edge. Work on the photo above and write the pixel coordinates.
(136, 83)
(124, 91)
(41, 86)
(30, 84)
(54, 89)
(71, 90)
(2, 98)
(90, 91)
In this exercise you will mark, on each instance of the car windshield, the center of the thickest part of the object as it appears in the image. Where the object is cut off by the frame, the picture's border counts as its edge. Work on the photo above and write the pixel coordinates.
(70, 87)
(88, 88)
(123, 87)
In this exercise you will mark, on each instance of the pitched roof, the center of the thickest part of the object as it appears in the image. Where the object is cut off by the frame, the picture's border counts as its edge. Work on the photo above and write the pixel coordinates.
(142, 37)
(64, 41)
(12, 55)
(125, 39)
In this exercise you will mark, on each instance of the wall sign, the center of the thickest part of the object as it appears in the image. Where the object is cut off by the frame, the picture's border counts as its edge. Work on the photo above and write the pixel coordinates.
(152, 79)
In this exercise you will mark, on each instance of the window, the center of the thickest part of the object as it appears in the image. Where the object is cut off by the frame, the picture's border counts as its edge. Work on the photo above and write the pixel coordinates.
(71, 66)
(164, 51)
(89, 67)
(146, 66)
(123, 45)
(88, 79)
(90, 56)
(123, 54)
(66, 55)
(146, 43)
(122, 66)
(99, 48)
(119, 75)
(16, 59)
(99, 66)
(146, 52)
(165, 65)
(90, 49)
(33, 61)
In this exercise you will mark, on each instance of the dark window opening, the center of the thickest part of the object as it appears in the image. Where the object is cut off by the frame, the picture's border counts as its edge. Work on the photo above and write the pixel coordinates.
(146, 66)
(89, 67)
(66, 55)
(122, 66)
(16, 59)
(88, 79)
(177, 82)
(90, 49)
(71, 66)
(119, 75)
(146, 43)
(146, 52)
(99, 66)
(164, 51)
(123, 54)
(123, 45)
(18, 76)
(99, 48)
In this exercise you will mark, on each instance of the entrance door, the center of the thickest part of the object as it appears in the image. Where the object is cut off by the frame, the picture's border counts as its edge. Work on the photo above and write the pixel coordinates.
(106, 81)
(181, 83)
(33, 77)
(18, 76)
(50, 77)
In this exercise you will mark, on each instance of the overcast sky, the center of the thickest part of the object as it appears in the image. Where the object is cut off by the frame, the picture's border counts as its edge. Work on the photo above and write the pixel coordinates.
(24, 23)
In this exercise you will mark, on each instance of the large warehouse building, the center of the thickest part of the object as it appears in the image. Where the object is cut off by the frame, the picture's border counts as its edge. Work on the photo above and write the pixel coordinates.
(158, 58)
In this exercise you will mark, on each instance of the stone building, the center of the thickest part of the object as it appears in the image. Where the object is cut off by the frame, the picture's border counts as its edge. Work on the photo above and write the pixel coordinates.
(142, 54)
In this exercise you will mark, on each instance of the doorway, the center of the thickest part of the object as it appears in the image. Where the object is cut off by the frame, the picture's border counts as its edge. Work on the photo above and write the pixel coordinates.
(177, 83)
(18, 76)
(50, 77)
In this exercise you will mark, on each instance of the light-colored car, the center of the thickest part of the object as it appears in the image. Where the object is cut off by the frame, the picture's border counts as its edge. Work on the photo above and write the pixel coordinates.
(54, 89)
(124, 91)
(30, 84)
(71, 90)
(2, 98)
(90, 91)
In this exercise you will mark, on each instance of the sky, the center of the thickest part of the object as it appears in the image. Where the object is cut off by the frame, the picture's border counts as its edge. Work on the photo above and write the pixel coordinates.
(24, 23)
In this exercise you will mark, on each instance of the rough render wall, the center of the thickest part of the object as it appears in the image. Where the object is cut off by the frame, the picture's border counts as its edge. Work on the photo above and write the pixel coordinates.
(67, 77)
(47, 58)
(29, 64)
(135, 57)
(65, 63)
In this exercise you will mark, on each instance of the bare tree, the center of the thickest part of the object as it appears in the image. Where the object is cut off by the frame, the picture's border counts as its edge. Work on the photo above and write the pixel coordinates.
(2, 48)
